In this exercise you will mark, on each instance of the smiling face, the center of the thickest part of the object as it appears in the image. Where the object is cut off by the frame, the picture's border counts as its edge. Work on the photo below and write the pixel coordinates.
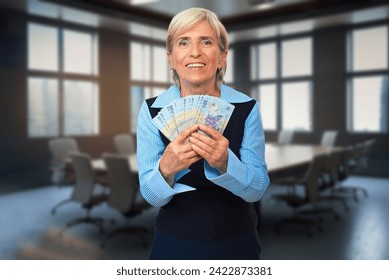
(196, 56)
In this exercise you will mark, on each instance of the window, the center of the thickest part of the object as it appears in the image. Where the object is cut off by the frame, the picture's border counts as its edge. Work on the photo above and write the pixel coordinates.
(149, 75)
(80, 108)
(267, 105)
(368, 104)
(138, 94)
(140, 61)
(42, 48)
(296, 57)
(43, 107)
(229, 75)
(264, 69)
(282, 75)
(369, 49)
(265, 64)
(79, 53)
(296, 95)
(149, 63)
(368, 80)
(62, 83)
(268, 65)
(160, 65)
(296, 100)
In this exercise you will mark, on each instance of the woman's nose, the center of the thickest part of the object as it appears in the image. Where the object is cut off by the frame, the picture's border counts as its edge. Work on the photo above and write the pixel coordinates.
(195, 50)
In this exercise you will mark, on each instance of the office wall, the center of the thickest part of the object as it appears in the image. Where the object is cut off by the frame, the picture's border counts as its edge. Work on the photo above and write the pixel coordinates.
(329, 83)
(329, 96)
(17, 153)
(24, 162)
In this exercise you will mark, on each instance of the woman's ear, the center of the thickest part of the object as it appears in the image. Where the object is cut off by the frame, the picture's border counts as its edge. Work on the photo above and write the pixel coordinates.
(171, 60)
(223, 59)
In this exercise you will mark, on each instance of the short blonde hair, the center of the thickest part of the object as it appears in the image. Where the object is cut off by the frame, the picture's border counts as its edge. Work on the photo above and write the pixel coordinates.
(187, 19)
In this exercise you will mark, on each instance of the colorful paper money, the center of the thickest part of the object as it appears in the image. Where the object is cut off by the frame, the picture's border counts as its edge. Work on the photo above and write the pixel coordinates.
(194, 109)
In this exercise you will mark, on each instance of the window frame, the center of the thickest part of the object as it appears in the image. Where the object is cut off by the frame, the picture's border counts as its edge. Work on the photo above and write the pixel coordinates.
(61, 76)
(355, 74)
(278, 80)
(147, 84)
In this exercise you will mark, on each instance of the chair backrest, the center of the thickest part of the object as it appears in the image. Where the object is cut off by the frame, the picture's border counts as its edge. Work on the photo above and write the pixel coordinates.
(328, 139)
(347, 162)
(59, 151)
(124, 144)
(285, 137)
(334, 164)
(123, 183)
(367, 146)
(313, 177)
(85, 177)
(60, 148)
(361, 154)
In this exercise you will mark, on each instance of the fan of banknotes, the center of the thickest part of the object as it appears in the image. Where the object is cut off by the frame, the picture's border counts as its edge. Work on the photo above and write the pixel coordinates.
(194, 109)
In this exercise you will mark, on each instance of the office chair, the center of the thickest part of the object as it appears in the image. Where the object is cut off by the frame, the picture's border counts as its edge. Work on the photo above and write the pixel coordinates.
(59, 150)
(285, 137)
(310, 197)
(124, 144)
(84, 191)
(355, 158)
(124, 195)
(364, 154)
(329, 182)
(328, 138)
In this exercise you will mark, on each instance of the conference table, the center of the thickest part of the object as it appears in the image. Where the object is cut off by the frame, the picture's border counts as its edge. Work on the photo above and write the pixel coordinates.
(282, 158)
(279, 158)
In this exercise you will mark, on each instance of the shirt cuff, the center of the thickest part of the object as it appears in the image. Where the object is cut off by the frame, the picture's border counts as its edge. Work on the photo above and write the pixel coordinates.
(235, 170)
(164, 189)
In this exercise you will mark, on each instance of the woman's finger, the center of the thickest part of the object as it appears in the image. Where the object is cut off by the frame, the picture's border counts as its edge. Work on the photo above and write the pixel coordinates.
(181, 138)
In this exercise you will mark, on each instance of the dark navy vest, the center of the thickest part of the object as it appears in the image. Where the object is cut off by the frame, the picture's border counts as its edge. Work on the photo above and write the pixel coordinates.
(210, 213)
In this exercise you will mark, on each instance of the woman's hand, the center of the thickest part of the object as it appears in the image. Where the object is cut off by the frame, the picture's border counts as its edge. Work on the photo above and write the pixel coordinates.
(178, 155)
(213, 147)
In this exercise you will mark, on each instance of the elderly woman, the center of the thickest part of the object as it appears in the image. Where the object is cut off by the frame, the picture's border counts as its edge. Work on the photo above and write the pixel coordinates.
(204, 183)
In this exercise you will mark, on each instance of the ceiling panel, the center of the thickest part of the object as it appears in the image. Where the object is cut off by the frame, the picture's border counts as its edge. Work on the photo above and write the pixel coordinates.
(243, 21)
(223, 8)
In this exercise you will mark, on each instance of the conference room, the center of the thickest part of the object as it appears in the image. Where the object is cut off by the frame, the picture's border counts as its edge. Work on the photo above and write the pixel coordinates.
(74, 74)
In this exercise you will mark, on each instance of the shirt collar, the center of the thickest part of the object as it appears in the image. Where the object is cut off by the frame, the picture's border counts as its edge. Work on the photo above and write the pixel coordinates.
(166, 97)
(227, 93)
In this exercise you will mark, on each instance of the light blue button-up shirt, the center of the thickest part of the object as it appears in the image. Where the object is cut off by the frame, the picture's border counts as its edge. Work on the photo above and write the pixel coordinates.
(246, 178)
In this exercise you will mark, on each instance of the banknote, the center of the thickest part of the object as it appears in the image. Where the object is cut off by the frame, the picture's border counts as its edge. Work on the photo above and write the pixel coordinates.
(194, 109)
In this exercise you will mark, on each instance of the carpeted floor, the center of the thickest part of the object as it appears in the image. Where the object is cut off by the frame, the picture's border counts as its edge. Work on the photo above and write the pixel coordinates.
(28, 230)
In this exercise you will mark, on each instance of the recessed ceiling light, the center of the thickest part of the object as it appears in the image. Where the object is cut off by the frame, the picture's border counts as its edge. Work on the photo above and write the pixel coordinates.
(260, 2)
(141, 2)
